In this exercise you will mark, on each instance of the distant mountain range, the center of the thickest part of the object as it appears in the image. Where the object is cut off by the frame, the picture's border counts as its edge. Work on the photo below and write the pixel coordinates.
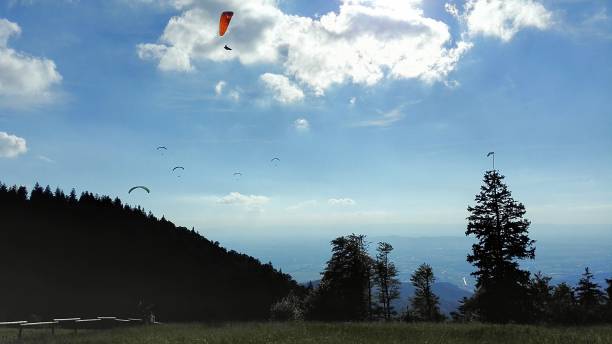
(562, 252)
(449, 295)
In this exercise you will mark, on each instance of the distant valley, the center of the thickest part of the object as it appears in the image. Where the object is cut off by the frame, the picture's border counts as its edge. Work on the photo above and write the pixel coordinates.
(562, 252)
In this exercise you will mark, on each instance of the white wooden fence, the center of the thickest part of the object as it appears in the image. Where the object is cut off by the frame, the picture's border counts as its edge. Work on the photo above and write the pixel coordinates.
(72, 323)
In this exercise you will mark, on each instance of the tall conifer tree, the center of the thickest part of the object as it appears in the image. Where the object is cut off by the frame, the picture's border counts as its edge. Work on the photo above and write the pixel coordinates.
(497, 221)
(344, 290)
(386, 279)
(424, 305)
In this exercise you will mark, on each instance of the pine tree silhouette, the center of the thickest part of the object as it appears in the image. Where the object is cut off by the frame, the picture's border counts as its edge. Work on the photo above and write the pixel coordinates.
(343, 292)
(563, 305)
(590, 298)
(497, 221)
(386, 280)
(540, 292)
(424, 305)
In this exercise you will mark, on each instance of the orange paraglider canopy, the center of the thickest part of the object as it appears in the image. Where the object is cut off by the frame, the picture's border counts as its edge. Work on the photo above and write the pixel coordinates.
(224, 21)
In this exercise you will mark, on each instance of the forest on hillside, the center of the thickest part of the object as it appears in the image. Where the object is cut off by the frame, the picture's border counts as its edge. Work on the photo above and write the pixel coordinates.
(88, 255)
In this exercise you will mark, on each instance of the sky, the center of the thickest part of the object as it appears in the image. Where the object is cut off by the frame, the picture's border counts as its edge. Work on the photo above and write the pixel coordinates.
(380, 112)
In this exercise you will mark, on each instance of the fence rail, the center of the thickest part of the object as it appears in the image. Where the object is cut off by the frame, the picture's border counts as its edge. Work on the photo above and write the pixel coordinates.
(102, 322)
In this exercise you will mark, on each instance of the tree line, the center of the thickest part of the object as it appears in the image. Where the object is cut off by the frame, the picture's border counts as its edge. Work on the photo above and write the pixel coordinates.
(88, 255)
(357, 287)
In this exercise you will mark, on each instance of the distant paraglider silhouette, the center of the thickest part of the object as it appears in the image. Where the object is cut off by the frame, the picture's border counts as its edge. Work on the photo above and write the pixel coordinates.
(178, 168)
(275, 159)
(161, 149)
(237, 174)
(492, 154)
(227, 48)
(139, 187)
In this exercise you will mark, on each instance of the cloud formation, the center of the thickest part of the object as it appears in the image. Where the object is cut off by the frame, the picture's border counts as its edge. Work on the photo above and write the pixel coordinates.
(385, 120)
(502, 18)
(24, 80)
(219, 87)
(282, 88)
(301, 124)
(363, 42)
(341, 202)
(248, 201)
(46, 159)
(11, 146)
(234, 95)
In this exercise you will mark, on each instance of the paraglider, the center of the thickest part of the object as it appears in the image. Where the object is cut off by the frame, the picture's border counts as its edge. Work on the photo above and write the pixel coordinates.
(139, 187)
(237, 174)
(227, 48)
(274, 159)
(178, 168)
(224, 22)
(161, 149)
(493, 154)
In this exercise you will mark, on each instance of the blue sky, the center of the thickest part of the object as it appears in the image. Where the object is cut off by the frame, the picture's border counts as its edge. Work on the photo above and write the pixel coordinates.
(381, 112)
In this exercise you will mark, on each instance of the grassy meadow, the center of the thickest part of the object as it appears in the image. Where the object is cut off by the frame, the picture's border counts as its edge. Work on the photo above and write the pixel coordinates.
(321, 333)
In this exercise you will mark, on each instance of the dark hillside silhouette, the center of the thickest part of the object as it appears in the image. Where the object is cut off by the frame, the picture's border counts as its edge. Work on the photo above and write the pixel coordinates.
(63, 255)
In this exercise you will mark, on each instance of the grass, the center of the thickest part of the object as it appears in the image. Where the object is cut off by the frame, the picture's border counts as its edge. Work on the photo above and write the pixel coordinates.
(321, 333)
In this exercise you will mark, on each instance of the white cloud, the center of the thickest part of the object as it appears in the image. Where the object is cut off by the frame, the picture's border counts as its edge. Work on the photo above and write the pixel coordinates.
(248, 201)
(11, 146)
(452, 84)
(24, 80)
(363, 42)
(385, 120)
(219, 87)
(46, 159)
(282, 88)
(452, 9)
(503, 18)
(301, 124)
(234, 95)
(341, 202)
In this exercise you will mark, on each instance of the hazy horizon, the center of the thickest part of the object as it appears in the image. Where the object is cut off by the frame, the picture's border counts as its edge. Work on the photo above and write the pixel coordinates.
(562, 252)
